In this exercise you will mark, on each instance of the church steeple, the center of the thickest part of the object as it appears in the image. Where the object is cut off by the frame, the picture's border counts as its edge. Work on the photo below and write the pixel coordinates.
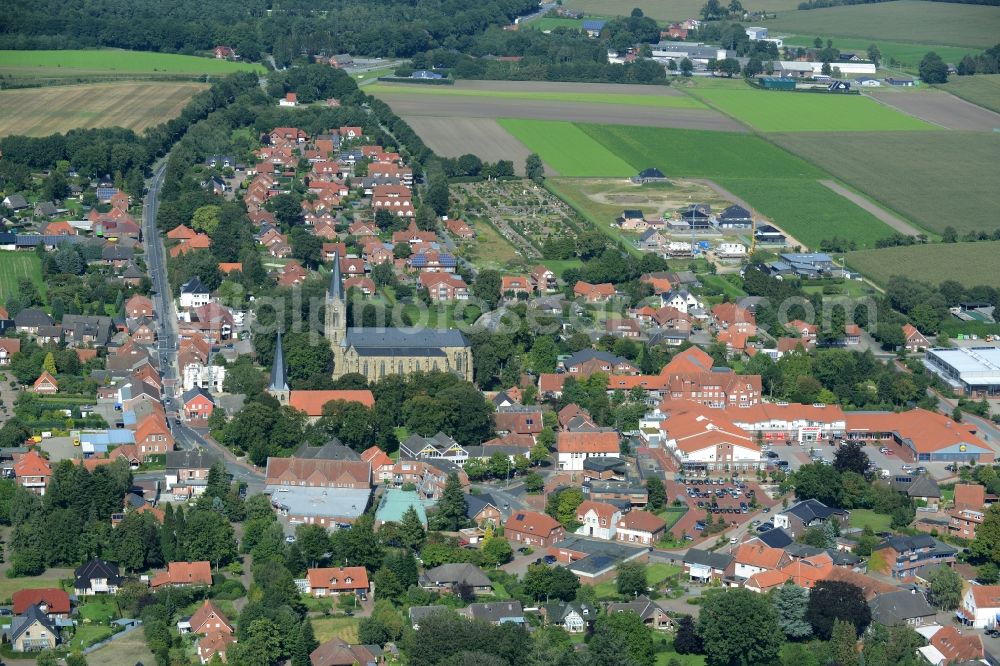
(279, 382)
(336, 307)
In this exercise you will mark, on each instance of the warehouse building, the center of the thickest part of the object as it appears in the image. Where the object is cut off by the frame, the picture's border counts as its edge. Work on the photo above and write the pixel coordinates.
(974, 371)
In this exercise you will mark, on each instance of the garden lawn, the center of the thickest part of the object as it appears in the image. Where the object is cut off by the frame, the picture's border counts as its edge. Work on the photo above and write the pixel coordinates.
(51, 578)
(776, 111)
(663, 101)
(668, 657)
(971, 264)
(879, 522)
(906, 55)
(981, 89)
(671, 516)
(99, 609)
(117, 60)
(902, 21)
(657, 573)
(15, 266)
(88, 634)
(567, 148)
(342, 627)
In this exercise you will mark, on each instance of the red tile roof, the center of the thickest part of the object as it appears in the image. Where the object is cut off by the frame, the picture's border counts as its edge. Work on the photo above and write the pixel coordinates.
(32, 464)
(587, 442)
(336, 578)
(312, 402)
(54, 598)
(642, 521)
(533, 522)
(970, 495)
(957, 647)
(184, 573)
(209, 618)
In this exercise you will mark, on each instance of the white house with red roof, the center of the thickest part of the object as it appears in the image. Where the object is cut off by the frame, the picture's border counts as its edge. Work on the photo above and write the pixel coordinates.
(597, 519)
(573, 448)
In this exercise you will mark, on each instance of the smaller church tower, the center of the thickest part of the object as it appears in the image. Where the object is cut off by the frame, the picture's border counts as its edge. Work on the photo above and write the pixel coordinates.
(335, 327)
(279, 382)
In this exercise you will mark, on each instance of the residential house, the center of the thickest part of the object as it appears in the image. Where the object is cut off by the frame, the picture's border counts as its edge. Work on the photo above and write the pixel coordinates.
(682, 300)
(380, 462)
(652, 614)
(543, 280)
(194, 294)
(913, 340)
(980, 606)
(334, 581)
(444, 287)
(641, 527)
(530, 528)
(622, 328)
(197, 404)
(962, 523)
(906, 557)
(457, 228)
(950, 647)
(96, 577)
(153, 436)
(207, 619)
(182, 574)
(337, 652)
(594, 293)
(904, 607)
(51, 601)
(188, 469)
(571, 617)
(652, 174)
(29, 320)
(417, 447)
(512, 286)
(32, 632)
(588, 361)
(754, 557)
(32, 472)
(8, 347)
(573, 448)
(214, 643)
(805, 514)
(597, 519)
(735, 217)
(483, 510)
(497, 612)
(318, 473)
(456, 578)
(920, 488)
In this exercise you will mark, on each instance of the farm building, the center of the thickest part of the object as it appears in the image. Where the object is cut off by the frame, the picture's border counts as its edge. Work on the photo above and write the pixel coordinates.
(777, 83)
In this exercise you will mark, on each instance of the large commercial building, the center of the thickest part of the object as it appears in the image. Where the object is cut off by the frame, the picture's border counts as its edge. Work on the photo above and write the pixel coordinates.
(974, 371)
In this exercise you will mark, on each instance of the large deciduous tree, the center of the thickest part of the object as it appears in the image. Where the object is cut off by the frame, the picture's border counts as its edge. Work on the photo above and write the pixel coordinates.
(832, 600)
(739, 627)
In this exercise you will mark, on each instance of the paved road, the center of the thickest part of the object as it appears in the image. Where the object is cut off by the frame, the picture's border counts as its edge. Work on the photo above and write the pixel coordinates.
(896, 223)
(186, 437)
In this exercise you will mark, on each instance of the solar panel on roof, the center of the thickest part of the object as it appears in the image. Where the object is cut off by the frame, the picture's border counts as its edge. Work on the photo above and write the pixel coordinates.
(519, 516)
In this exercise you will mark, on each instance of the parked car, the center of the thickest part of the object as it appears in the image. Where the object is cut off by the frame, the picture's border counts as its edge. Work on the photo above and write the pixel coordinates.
(549, 559)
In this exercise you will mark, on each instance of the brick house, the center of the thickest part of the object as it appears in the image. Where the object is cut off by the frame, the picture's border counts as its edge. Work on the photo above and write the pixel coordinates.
(531, 528)
(640, 527)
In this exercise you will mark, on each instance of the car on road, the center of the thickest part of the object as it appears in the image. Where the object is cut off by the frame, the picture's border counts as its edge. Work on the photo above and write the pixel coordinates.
(524, 550)
(549, 559)
(767, 509)
(764, 527)
(733, 540)
(907, 468)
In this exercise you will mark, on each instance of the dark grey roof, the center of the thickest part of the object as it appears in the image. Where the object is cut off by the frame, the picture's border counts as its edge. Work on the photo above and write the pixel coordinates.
(839, 557)
(116, 253)
(735, 213)
(278, 380)
(651, 172)
(194, 286)
(191, 459)
(17, 201)
(604, 464)
(916, 486)
(196, 391)
(497, 611)
(585, 355)
(812, 509)
(476, 503)
(404, 342)
(336, 289)
(776, 538)
(920, 542)
(418, 613)
(32, 318)
(708, 558)
(80, 326)
(96, 568)
(456, 574)
(19, 624)
(642, 606)
(558, 611)
(894, 608)
(132, 272)
(332, 450)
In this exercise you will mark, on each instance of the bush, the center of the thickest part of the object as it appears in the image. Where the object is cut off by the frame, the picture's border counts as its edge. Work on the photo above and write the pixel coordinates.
(228, 589)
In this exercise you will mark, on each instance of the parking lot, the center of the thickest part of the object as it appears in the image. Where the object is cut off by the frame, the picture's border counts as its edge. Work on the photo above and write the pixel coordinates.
(726, 499)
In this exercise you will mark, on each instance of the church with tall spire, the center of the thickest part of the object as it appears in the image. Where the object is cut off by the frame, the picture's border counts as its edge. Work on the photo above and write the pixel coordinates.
(377, 352)
(279, 380)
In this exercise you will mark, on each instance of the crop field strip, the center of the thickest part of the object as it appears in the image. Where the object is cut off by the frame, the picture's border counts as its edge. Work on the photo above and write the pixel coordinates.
(775, 111)
(663, 101)
(935, 179)
(665, 10)
(116, 60)
(778, 184)
(136, 106)
(981, 89)
(916, 21)
(940, 108)
(972, 264)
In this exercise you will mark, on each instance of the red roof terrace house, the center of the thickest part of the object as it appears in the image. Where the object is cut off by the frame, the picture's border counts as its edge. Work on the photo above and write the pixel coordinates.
(334, 581)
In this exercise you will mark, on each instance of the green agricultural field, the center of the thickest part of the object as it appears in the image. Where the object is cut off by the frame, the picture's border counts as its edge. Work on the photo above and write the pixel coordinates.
(666, 10)
(972, 264)
(774, 111)
(567, 149)
(914, 21)
(116, 60)
(981, 89)
(906, 55)
(663, 101)
(15, 266)
(936, 179)
(549, 23)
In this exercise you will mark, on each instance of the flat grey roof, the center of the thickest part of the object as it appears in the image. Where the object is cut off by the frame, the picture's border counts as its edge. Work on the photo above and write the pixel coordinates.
(974, 365)
(347, 503)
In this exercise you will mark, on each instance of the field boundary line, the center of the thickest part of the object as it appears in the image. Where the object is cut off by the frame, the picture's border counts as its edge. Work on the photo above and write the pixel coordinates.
(905, 112)
(897, 223)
